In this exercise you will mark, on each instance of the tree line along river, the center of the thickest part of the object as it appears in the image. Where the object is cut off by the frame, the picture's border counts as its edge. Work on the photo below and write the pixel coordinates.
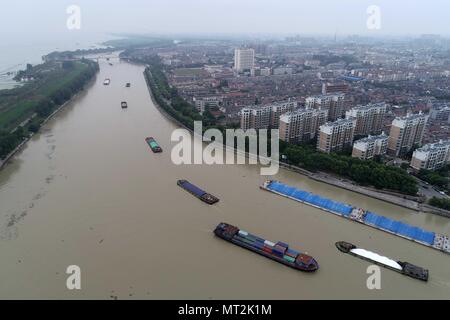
(88, 191)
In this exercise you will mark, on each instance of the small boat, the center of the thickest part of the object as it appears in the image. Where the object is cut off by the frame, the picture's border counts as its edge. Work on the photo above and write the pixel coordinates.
(128, 85)
(110, 64)
(124, 105)
(197, 192)
(107, 82)
(404, 268)
(153, 145)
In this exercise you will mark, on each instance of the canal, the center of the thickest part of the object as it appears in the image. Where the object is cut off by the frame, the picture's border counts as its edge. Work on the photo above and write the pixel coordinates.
(88, 191)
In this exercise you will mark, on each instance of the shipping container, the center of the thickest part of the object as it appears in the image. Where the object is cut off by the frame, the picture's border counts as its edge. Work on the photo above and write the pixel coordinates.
(282, 244)
(243, 233)
(292, 252)
(269, 243)
(288, 258)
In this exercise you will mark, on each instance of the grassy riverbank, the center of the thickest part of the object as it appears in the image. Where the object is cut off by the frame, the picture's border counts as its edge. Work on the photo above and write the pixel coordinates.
(49, 85)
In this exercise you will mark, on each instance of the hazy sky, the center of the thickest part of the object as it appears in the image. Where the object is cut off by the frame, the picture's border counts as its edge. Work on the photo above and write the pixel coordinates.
(45, 18)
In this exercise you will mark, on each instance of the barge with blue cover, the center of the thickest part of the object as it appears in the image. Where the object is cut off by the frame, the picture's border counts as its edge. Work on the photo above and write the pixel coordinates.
(279, 251)
(431, 239)
(197, 192)
(405, 268)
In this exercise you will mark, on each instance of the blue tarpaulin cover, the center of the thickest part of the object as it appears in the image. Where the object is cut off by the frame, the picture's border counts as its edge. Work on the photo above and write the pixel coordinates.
(193, 188)
(317, 200)
(344, 209)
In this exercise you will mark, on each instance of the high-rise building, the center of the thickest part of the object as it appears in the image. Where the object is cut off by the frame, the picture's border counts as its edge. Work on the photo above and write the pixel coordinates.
(337, 135)
(431, 156)
(266, 116)
(244, 59)
(334, 103)
(369, 118)
(301, 125)
(280, 108)
(246, 114)
(370, 146)
(406, 132)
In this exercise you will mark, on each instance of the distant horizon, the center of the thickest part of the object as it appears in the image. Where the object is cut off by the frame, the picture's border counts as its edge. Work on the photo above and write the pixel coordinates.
(400, 18)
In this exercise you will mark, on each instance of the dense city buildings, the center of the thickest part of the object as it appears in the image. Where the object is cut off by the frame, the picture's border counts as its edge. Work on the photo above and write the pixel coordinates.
(301, 125)
(244, 59)
(266, 116)
(369, 118)
(336, 136)
(406, 132)
(431, 156)
(367, 148)
(334, 103)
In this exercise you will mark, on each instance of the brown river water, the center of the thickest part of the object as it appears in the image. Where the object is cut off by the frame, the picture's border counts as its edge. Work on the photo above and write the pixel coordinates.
(88, 191)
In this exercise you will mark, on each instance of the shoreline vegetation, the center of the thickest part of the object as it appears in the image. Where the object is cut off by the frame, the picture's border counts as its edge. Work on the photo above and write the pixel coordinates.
(373, 179)
(49, 87)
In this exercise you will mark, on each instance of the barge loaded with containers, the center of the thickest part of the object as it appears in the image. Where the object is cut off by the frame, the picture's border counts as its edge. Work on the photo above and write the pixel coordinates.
(279, 251)
(405, 268)
(427, 238)
(153, 145)
(196, 191)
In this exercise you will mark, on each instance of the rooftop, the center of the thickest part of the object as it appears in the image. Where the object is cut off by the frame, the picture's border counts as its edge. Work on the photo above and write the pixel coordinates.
(434, 146)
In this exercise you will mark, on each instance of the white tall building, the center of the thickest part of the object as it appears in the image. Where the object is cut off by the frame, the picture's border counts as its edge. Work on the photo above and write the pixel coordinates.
(369, 118)
(406, 132)
(244, 59)
(337, 135)
(431, 156)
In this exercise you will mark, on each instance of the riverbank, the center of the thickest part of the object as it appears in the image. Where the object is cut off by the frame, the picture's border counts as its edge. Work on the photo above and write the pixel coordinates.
(404, 201)
(9, 157)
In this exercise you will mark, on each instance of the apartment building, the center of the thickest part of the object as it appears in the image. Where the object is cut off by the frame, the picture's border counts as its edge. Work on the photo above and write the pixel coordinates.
(266, 116)
(301, 125)
(370, 146)
(336, 136)
(431, 156)
(334, 103)
(369, 118)
(406, 132)
(244, 59)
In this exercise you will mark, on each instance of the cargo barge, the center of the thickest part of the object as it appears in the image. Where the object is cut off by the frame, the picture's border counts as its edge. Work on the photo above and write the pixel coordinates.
(279, 251)
(124, 104)
(153, 145)
(430, 239)
(197, 192)
(404, 268)
(106, 82)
